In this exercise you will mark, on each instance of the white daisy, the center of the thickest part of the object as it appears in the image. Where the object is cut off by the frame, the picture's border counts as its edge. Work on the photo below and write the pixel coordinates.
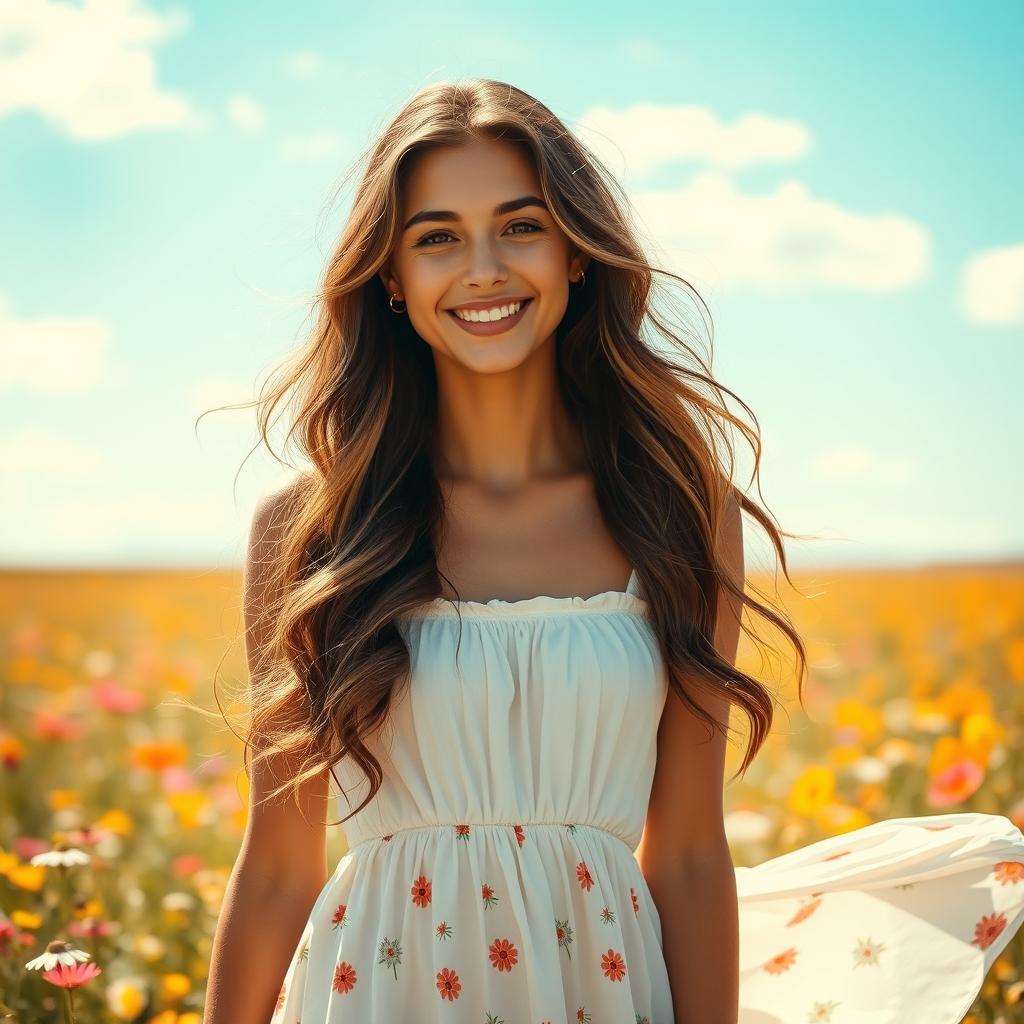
(60, 858)
(58, 952)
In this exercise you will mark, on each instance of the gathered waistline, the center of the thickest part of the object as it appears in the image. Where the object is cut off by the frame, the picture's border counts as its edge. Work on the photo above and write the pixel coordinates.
(469, 825)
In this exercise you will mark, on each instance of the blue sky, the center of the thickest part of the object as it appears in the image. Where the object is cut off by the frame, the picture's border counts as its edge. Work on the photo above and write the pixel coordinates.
(838, 183)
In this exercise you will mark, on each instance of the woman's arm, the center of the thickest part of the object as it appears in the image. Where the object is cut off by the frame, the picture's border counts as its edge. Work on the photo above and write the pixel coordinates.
(684, 853)
(700, 931)
(258, 931)
(282, 864)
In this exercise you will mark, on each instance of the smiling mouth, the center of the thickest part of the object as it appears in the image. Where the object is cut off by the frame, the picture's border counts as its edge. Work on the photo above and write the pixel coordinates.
(486, 328)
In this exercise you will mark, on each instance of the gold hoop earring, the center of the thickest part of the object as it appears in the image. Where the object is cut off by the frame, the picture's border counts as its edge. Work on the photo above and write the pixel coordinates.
(391, 303)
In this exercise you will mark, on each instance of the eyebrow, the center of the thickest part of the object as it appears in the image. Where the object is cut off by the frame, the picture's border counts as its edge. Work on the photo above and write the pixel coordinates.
(507, 207)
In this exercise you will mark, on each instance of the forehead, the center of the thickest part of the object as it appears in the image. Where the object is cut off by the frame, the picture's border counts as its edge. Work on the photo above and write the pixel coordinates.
(474, 177)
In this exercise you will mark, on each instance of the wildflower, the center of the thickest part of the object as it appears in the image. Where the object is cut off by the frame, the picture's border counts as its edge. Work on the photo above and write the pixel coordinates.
(60, 857)
(955, 784)
(58, 953)
(812, 790)
(72, 977)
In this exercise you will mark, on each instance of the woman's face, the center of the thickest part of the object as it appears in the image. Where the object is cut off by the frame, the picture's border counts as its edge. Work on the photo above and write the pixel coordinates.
(461, 253)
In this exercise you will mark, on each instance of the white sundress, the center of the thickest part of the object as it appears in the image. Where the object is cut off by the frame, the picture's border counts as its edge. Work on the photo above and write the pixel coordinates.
(492, 880)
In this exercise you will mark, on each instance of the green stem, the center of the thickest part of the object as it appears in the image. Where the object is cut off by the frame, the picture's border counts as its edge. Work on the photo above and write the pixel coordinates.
(69, 1010)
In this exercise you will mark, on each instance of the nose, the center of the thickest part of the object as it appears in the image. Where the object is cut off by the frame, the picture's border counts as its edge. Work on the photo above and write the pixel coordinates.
(484, 268)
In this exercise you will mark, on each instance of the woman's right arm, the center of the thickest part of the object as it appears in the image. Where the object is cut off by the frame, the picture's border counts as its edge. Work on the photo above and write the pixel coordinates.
(282, 863)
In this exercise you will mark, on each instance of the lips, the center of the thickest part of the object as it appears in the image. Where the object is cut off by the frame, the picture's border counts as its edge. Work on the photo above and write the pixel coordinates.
(485, 328)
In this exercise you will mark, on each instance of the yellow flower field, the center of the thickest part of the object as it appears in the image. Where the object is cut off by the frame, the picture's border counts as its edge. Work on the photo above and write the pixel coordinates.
(914, 705)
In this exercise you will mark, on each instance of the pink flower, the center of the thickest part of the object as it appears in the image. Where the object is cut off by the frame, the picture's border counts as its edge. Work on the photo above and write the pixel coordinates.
(73, 976)
(186, 864)
(49, 726)
(118, 700)
(953, 785)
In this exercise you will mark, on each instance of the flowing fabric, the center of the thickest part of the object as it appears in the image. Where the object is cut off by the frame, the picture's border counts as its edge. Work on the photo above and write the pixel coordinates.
(492, 880)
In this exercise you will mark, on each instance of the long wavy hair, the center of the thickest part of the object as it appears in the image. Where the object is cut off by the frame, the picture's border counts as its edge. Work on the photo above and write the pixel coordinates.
(357, 544)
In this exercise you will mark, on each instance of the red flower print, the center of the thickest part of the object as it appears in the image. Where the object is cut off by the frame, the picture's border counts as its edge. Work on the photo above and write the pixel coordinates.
(583, 876)
(520, 836)
(608, 915)
(987, 930)
(488, 895)
(780, 963)
(461, 831)
(387, 839)
(421, 891)
(448, 984)
(582, 1017)
(344, 978)
(504, 956)
(804, 912)
(1009, 872)
(636, 902)
(338, 920)
(443, 930)
(613, 965)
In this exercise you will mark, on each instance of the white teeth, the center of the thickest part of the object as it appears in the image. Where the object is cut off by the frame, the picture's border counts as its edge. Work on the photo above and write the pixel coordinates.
(488, 315)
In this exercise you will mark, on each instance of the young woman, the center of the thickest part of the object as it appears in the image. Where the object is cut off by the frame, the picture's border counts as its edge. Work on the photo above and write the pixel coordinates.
(504, 608)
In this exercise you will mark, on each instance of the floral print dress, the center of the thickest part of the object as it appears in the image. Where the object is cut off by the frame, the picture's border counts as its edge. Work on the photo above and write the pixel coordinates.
(492, 880)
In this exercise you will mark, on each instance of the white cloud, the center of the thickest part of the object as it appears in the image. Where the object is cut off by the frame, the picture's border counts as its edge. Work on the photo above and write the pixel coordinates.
(51, 355)
(647, 136)
(35, 457)
(42, 455)
(133, 525)
(716, 236)
(246, 114)
(304, 62)
(310, 146)
(992, 286)
(853, 464)
(90, 70)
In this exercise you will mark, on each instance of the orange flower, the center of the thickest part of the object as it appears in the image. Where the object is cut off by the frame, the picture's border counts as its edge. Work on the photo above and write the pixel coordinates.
(987, 930)
(504, 956)
(964, 697)
(12, 750)
(804, 912)
(344, 978)
(159, 754)
(782, 962)
(421, 891)
(613, 965)
(448, 984)
(1009, 872)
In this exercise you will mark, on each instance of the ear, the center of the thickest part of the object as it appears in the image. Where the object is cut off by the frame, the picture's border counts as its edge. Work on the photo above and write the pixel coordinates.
(580, 262)
(390, 282)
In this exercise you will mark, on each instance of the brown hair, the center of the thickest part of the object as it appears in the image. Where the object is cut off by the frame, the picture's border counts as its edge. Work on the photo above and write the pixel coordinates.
(357, 548)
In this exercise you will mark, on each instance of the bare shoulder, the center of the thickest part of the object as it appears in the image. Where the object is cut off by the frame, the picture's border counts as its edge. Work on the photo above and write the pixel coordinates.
(266, 530)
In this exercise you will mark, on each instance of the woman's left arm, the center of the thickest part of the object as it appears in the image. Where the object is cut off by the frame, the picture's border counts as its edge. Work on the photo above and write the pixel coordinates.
(683, 853)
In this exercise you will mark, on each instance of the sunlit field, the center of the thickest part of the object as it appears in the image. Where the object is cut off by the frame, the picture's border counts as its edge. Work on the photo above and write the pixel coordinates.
(914, 705)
